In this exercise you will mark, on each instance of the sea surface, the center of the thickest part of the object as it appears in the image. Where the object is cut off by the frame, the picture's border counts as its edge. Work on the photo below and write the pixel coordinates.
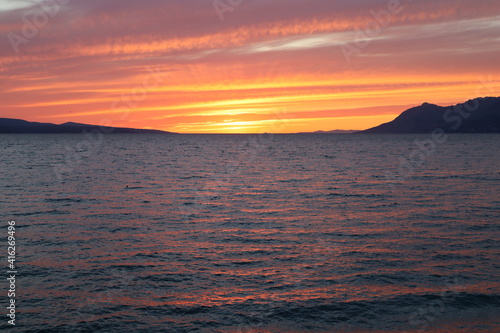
(252, 233)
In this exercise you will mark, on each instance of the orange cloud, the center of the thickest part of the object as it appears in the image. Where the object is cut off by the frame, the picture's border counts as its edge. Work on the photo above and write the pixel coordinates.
(91, 62)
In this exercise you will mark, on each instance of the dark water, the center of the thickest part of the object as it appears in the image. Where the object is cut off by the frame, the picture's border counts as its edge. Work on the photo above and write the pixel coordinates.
(241, 233)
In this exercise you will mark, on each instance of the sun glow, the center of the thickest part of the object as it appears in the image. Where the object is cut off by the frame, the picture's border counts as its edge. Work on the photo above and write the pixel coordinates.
(205, 77)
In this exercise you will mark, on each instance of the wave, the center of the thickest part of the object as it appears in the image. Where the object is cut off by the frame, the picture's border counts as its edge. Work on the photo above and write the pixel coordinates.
(405, 312)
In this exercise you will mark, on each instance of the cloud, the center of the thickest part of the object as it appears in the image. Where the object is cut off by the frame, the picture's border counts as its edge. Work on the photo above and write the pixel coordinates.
(264, 54)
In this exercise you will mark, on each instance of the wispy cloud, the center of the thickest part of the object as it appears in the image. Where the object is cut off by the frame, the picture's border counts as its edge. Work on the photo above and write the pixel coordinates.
(265, 54)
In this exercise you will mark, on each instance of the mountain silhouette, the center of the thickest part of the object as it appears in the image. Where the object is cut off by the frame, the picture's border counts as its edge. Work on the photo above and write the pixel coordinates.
(480, 115)
(19, 126)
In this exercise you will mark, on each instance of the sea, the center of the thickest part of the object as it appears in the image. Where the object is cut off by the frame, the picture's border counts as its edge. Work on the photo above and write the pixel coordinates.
(251, 233)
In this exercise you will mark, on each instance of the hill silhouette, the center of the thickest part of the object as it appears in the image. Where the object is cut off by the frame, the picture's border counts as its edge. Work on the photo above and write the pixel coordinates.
(8, 125)
(480, 115)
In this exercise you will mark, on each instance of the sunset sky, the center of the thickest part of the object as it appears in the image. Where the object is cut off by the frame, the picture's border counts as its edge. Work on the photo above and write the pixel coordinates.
(230, 66)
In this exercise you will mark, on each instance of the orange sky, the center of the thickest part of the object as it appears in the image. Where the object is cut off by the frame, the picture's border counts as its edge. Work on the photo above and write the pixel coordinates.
(268, 66)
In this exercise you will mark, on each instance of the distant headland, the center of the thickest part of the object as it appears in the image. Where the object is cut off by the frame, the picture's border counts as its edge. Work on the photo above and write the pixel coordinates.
(18, 126)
